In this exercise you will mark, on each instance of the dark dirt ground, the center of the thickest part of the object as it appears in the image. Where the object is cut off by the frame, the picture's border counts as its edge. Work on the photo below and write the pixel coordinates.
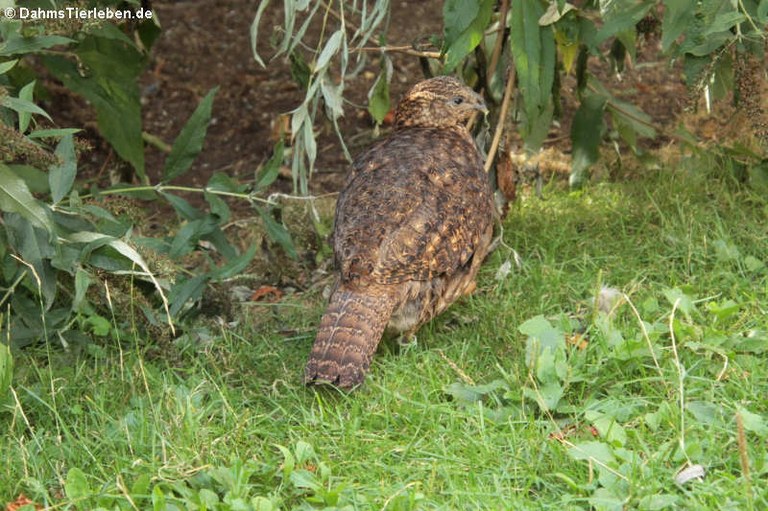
(205, 44)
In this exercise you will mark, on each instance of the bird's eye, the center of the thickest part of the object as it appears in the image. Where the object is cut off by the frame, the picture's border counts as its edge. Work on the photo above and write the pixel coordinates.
(458, 100)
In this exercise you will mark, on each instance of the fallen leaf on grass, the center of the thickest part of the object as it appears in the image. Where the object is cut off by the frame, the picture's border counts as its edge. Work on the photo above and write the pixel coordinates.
(266, 294)
(20, 502)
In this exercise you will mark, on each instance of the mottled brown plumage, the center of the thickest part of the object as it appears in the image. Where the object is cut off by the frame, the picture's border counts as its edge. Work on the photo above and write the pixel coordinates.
(413, 224)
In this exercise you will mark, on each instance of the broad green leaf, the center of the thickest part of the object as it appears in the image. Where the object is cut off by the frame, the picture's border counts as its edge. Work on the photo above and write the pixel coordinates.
(304, 452)
(704, 412)
(222, 182)
(534, 54)
(465, 22)
(586, 133)
(724, 23)
(76, 486)
(678, 16)
(622, 18)
(26, 93)
(378, 96)
(271, 169)
(82, 283)
(468, 394)
(659, 502)
(189, 143)
(7, 66)
(18, 45)
(278, 233)
(35, 248)
(608, 427)
(61, 177)
(304, 479)
(187, 290)
(262, 504)
(36, 179)
(15, 197)
(685, 303)
(543, 332)
(762, 11)
(754, 422)
(111, 85)
(555, 13)
(598, 451)
(630, 121)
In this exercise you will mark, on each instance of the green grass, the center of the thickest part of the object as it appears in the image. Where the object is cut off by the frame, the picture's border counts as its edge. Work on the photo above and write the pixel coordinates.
(227, 424)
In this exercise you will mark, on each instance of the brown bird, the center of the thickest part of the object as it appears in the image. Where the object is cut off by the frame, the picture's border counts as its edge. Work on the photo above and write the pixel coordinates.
(413, 224)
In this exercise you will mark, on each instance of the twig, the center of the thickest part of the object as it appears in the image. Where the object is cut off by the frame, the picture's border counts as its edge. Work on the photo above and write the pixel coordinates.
(408, 50)
(499, 41)
(743, 456)
(156, 141)
(680, 378)
(342, 19)
(500, 121)
(464, 376)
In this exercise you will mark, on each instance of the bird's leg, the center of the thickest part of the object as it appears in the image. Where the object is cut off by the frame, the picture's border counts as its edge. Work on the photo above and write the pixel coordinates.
(407, 340)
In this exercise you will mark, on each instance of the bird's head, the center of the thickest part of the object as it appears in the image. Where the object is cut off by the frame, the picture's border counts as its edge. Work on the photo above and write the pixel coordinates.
(438, 102)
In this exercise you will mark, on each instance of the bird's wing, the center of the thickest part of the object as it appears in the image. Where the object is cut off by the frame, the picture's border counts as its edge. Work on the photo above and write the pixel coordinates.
(413, 208)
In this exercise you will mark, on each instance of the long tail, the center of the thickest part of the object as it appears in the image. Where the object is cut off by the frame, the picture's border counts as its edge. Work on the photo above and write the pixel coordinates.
(348, 335)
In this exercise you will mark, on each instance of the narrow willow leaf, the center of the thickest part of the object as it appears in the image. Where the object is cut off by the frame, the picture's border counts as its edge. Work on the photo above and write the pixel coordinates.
(15, 197)
(189, 143)
(53, 133)
(23, 106)
(26, 93)
(332, 95)
(132, 255)
(378, 96)
(586, 133)
(61, 177)
(235, 265)
(271, 169)
(330, 49)
(255, 31)
(182, 206)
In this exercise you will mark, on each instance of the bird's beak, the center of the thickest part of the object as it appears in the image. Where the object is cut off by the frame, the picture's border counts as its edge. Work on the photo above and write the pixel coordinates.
(480, 104)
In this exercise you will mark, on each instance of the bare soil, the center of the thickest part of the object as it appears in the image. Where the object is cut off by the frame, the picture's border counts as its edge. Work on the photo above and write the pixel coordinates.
(206, 44)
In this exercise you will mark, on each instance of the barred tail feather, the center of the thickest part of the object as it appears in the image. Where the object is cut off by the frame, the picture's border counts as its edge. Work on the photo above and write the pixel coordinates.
(349, 333)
